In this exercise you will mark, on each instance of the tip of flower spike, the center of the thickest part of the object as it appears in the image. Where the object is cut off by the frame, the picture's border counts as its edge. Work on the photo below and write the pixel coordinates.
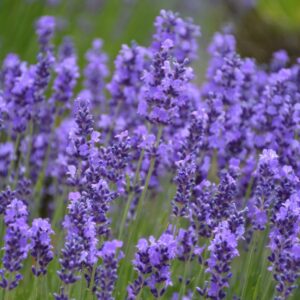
(167, 45)
(110, 248)
(74, 196)
(267, 156)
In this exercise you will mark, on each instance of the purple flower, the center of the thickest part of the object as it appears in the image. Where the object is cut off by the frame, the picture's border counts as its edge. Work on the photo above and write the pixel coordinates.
(95, 73)
(6, 197)
(165, 86)
(106, 273)
(66, 49)
(183, 34)
(223, 249)
(285, 261)
(6, 156)
(264, 192)
(80, 248)
(185, 181)
(45, 27)
(40, 246)
(152, 262)
(15, 244)
(65, 81)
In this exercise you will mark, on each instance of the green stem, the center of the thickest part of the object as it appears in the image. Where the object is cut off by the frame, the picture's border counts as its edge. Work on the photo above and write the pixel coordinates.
(35, 288)
(131, 195)
(40, 181)
(59, 210)
(14, 163)
(248, 264)
(149, 174)
(266, 290)
(45, 285)
(183, 283)
(92, 283)
(82, 288)
(27, 163)
(201, 273)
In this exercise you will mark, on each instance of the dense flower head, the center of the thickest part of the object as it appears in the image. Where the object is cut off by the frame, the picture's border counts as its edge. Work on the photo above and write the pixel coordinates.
(279, 60)
(125, 88)
(80, 249)
(285, 265)
(42, 75)
(40, 245)
(6, 197)
(15, 211)
(16, 245)
(185, 181)
(152, 262)
(223, 249)
(6, 156)
(264, 192)
(65, 81)
(200, 208)
(45, 27)
(66, 49)
(95, 73)
(106, 273)
(183, 34)
(165, 86)
(187, 247)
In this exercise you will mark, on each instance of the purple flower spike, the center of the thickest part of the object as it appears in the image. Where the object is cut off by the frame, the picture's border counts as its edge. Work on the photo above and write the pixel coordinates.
(223, 249)
(165, 87)
(106, 273)
(80, 249)
(41, 248)
(183, 34)
(264, 193)
(6, 156)
(67, 74)
(95, 73)
(45, 27)
(185, 181)
(16, 245)
(284, 241)
(152, 262)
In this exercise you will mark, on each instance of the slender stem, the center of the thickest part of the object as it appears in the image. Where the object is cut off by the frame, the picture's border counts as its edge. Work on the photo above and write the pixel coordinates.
(82, 284)
(149, 174)
(131, 195)
(183, 283)
(45, 285)
(248, 264)
(266, 290)
(200, 274)
(35, 288)
(27, 163)
(92, 282)
(14, 163)
(59, 211)
(40, 181)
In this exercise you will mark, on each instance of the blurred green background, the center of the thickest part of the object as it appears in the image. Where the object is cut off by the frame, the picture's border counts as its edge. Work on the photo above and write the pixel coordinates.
(261, 26)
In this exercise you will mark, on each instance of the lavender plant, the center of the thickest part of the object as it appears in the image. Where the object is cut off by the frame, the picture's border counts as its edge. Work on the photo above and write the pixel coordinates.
(143, 184)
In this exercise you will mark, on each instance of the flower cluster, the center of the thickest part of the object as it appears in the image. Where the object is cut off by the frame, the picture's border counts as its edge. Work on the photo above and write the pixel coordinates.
(152, 262)
(231, 147)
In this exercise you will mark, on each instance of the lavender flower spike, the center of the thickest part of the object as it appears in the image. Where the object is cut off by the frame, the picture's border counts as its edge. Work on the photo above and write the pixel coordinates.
(223, 249)
(45, 27)
(284, 245)
(40, 246)
(106, 273)
(152, 262)
(165, 86)
(15, 244)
